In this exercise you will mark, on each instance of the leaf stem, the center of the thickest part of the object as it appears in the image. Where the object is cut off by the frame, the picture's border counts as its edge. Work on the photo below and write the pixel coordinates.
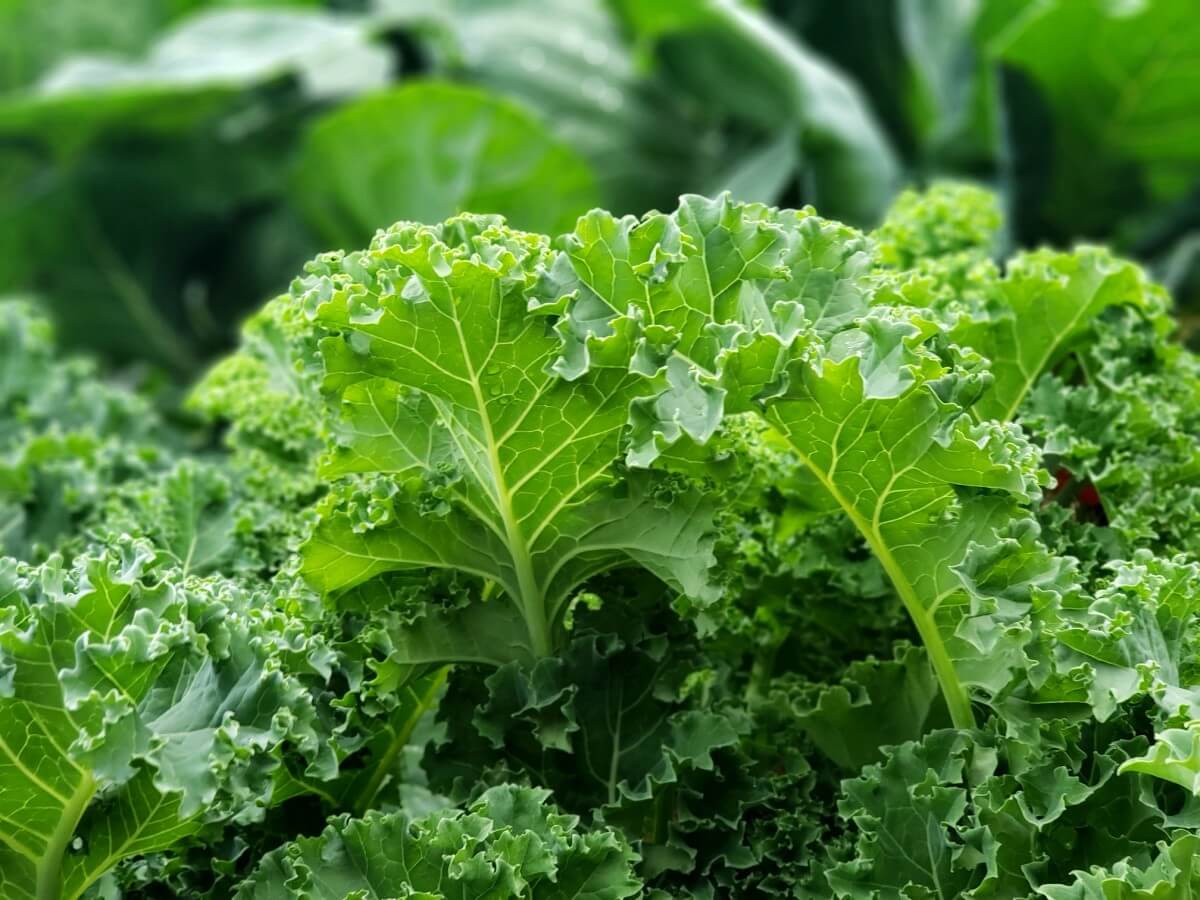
(50, 869)
(532, 602)
(958, 702)
(953, 691)
(369, 792)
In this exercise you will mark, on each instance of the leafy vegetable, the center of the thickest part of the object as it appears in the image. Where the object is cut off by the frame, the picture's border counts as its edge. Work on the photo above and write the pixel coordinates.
(729, 551)
(509, 844)
(134, 713)
(1134, 132)
(499, 467)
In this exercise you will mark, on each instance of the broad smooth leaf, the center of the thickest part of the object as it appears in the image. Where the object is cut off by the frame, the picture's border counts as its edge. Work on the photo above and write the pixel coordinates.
(1121, 131)
(426, 151)
(568, 63)
(167, 171)
(193, 71)
(35, 35)
(732, 56)
(764, 174)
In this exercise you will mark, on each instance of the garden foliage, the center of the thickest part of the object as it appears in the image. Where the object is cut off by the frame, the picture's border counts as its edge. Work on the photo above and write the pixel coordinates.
(725, 552)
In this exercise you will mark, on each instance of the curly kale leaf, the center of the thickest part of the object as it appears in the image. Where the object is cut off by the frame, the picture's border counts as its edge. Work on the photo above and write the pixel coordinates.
(510, 843)
(67, 439)
(1174, 874)
(973, 815)
(783, 312)
(471, 452)
(612, 725)
(133, 712)
(1040, 311)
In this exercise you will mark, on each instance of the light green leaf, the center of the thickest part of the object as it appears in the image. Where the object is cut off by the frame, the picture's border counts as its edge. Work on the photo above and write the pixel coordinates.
(945, 219)
(240, 46)
(35, 35)
(194, 70)
(1134, 638)
(873, 402)
(1173, 875)
(1174, 756)
(1044, 305)
(482, 458)
(881, 419)
(721, 285)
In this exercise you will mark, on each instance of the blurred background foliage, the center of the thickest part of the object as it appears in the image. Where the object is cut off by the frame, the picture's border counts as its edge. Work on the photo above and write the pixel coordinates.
(167, 165)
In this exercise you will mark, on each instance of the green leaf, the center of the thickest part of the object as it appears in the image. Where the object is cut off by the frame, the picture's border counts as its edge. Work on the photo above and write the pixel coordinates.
(946, 219)
(1119, 133)
(943, 85)
(1044, 306)
(268, 393)
(903, 807)
(1173, 875)
(131, 715)
(68, 440)
(510, 843)
(427, 151)
(483, 458)
(731, 55)
(190, 517)
(881, 419)
(615, 725)
(757, 304)
(721, 285)
(1128, 428)
(1135, 638)
(569, 63)
(35, 35)
(875, 704)
(193, 71)
(1174, 757)
(973, 815)
(762, 175)
(389, 740)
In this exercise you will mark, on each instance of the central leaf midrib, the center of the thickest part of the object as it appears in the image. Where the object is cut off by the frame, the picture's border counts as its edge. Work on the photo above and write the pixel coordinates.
(953, 691)
(398, 742)
(1060, 337)
(50, 868)
(530, 602)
